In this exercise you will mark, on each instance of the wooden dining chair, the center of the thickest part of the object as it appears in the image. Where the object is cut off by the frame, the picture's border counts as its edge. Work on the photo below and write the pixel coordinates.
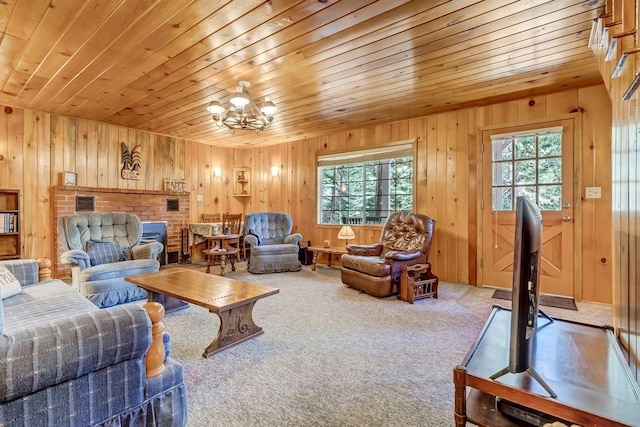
(233, 222)
(210, 217)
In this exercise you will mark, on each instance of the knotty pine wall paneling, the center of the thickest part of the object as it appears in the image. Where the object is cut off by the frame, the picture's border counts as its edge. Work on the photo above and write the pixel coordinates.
(446, 178)
(624, 202)
(596, 244)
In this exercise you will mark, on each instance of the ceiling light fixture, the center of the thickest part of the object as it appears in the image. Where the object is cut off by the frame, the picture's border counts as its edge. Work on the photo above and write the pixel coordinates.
(243, 112)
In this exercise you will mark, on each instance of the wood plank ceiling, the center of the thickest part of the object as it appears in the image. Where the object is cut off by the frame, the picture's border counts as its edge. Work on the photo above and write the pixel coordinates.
(327, 64)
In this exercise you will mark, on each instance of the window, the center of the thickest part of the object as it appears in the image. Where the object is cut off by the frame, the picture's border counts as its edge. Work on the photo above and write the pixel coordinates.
(364, 187)
(529, 164)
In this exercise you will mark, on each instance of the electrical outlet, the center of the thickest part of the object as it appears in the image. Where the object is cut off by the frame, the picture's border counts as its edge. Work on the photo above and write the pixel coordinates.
(199, 198)
(592, 193)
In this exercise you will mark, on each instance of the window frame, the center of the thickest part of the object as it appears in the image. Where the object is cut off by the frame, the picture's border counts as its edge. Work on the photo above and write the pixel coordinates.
(363, 155)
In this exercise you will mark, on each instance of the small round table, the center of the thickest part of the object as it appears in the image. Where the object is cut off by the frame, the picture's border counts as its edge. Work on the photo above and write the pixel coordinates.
(221, 254)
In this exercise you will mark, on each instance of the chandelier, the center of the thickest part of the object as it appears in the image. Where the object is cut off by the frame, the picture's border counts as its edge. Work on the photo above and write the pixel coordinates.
(243, 112)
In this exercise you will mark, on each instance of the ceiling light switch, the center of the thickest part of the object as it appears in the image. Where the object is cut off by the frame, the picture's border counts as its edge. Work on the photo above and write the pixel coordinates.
(593, 193)
(199, 198)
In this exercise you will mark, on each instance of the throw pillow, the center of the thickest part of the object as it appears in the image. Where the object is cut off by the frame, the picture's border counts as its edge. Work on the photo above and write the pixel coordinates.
(103, 252)
(9, 285)
(253, 233)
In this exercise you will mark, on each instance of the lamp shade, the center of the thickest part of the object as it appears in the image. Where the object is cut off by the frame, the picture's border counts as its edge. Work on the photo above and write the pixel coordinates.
(346, 233)
(239, 99)
(268, 108)
(215, 108)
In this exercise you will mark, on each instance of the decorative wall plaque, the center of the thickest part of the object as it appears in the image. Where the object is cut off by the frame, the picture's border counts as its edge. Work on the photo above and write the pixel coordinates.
(175, 185)
(70, 178)
(131, 162)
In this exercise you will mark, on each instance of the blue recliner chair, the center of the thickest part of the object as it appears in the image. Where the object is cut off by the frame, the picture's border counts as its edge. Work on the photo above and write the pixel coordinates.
(273, 248)
(102, 250)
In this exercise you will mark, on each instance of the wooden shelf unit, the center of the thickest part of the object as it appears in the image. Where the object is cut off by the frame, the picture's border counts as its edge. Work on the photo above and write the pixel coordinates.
(9, 224)
(241, 182)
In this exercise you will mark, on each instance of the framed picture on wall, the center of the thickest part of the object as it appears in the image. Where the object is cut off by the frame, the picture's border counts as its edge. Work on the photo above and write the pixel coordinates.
(241, 181)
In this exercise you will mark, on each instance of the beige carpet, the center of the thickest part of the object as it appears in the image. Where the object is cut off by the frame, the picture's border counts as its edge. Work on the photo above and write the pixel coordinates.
(329, 356)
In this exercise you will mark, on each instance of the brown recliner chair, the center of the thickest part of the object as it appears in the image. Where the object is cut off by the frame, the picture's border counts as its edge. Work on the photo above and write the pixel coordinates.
(375, 268)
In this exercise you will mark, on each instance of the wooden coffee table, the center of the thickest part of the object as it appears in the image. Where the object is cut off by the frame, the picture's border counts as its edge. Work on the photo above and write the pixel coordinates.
(231, 300)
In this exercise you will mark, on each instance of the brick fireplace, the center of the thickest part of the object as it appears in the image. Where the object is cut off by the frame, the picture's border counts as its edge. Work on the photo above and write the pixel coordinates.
(166, 206)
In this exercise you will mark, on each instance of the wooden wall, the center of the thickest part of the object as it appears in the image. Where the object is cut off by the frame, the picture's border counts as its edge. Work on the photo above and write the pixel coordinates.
(625, 171)
(38, 147)
(446, 180)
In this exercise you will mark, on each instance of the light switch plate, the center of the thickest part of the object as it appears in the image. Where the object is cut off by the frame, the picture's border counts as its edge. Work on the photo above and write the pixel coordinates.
(199, 198)
(593, 193)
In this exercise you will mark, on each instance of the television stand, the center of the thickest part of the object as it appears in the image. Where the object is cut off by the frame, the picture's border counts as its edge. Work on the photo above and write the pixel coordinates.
(545, 315)
(531, 372)
(583, 363)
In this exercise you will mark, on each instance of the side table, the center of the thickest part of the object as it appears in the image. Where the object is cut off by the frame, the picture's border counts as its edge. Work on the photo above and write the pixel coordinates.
(220, 254)
(224, 241)
(322, 250)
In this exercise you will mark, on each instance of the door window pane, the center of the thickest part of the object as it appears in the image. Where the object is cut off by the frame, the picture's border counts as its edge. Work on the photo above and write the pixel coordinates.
(502, 149)
(525, 147)
(549, 198)
(502, 199)
(525, 172)
(503, 173)
(550, 171)
(550, 145)
(528, 165)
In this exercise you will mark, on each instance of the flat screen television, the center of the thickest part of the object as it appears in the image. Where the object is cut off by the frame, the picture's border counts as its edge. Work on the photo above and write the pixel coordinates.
(525, 291)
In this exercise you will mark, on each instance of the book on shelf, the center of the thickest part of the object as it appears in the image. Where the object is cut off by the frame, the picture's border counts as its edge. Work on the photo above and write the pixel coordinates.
(8, 223)
(13, 225)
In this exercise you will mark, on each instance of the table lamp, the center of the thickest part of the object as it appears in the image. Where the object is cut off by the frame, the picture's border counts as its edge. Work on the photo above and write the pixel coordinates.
(346, 233)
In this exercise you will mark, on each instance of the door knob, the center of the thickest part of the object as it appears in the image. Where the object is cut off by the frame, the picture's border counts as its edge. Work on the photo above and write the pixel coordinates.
(566, 218)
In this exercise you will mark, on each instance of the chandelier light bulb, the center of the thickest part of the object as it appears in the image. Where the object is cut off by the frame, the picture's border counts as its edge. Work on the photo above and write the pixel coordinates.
(215, 108)
(268, 108)
(240, 98)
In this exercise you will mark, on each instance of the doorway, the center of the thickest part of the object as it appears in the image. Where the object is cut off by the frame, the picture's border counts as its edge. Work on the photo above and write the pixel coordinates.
(535, 161)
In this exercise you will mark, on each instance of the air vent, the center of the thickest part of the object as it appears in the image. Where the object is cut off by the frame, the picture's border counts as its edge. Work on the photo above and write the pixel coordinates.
(85, 203)
(173, 205)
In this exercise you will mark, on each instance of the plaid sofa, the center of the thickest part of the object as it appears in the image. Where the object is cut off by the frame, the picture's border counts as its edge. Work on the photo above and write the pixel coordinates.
(65, 362)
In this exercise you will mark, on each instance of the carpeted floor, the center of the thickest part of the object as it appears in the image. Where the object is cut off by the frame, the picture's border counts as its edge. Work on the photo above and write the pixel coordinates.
(546, 300)
(329, 356)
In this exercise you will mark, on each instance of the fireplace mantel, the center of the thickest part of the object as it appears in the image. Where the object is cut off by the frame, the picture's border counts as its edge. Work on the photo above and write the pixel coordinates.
(75, 188)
